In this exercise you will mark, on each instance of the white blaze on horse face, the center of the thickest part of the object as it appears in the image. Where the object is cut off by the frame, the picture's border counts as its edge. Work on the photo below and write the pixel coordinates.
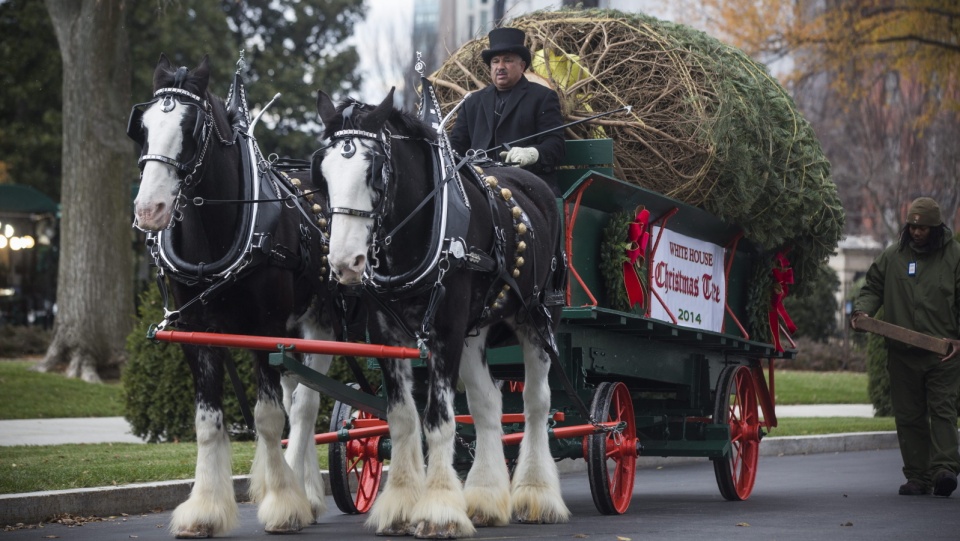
(158, 183)
(349, 235)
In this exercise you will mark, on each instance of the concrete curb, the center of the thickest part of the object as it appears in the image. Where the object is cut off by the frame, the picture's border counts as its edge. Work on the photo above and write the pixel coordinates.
(34, 507)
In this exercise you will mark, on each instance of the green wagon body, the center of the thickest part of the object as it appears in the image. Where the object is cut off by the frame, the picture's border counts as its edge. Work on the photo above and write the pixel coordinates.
(673, 373)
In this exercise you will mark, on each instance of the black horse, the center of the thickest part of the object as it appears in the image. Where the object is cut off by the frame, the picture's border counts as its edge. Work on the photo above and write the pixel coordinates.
(446, 259)
(248, 265)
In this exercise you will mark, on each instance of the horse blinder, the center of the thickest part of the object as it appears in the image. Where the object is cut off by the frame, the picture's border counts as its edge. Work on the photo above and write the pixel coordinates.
(198, 135)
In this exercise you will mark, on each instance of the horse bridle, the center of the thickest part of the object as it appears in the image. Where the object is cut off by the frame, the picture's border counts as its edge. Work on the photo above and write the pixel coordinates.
(171, 97)
(380, 171)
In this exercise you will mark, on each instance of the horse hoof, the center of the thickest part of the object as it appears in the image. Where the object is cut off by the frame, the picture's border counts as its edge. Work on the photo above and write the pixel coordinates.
(199, 533)
(429, 530)
(399, 529)
(284, 529)
(485, 521)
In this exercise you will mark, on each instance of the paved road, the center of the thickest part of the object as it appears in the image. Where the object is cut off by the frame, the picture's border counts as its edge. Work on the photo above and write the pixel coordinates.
(847, 496)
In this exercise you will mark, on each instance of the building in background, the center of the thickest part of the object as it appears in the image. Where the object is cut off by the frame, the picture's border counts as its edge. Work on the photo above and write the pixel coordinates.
(426, 29)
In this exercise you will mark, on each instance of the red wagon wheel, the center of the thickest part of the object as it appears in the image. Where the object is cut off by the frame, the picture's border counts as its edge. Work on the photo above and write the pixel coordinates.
(355, 465)
(612, 456)
(737, 406)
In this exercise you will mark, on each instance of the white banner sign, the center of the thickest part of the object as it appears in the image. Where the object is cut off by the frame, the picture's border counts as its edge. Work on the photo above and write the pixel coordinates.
(688, 275)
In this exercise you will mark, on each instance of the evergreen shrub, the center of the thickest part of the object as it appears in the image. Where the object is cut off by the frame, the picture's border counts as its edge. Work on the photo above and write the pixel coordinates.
(158, 387)
(20, 340)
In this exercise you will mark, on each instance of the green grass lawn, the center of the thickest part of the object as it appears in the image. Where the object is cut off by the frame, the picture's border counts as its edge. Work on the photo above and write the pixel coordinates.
(796, 387)
(809, 426)
(25, 394)
(60, 467)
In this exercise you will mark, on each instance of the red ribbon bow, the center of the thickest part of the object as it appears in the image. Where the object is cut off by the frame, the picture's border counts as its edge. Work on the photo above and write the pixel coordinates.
(637, 239)
(783, 279)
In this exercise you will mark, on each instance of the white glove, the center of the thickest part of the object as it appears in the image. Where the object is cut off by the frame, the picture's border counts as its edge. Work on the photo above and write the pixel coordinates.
(522, 156)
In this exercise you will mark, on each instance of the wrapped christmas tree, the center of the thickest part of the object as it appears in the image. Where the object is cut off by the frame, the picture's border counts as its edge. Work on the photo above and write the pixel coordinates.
(709, 126)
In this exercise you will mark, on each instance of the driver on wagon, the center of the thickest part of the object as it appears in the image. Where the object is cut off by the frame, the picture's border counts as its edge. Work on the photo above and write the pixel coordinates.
(510, 109)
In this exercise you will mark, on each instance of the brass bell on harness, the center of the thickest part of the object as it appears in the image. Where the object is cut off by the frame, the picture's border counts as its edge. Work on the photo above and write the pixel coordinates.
(521, 228)
(506, 194)
(519, 261)
(295, 181)
(516, 273)
(521, 247)
(492, 182)
(516, 211)
(316, 208)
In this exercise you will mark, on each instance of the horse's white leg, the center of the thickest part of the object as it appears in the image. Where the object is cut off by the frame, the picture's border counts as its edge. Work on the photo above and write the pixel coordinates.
(536, 482)
(211, 508)
(301, 454)
(283, 505)
(442, 511)
(487, 489)
(405, 485)
(302, 404)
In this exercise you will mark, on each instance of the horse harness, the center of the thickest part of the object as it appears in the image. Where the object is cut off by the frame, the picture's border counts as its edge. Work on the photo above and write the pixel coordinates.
(448, 247)
(265, 189)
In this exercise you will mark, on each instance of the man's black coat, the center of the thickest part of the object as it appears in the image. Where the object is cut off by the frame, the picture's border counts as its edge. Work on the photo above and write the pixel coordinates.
(530, 108)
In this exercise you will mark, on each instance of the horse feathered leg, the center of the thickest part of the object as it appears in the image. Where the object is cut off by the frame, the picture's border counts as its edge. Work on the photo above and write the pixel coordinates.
(283, 504)
(211, 508)
(405, 485)
(301, 454)
(442, 511)
(302, 404)
(487, 488)
(536, 482)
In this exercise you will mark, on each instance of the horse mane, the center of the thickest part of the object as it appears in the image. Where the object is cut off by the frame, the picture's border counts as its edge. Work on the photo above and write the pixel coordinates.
(197, 84)
(406, 122)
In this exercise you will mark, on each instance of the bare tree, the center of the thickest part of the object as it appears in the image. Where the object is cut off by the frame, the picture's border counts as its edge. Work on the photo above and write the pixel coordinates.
(95, 284)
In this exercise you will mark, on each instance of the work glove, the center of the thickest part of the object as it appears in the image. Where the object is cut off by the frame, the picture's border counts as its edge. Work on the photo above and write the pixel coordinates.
(522, 156)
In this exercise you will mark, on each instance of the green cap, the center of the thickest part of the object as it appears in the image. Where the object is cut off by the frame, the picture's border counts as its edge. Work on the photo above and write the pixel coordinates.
(924, 211)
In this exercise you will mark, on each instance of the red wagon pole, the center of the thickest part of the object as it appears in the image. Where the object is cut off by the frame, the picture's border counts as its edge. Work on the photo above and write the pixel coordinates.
(273, 343)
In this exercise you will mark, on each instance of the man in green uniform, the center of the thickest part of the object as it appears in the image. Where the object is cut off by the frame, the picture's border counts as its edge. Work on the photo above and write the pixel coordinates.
(917, 281)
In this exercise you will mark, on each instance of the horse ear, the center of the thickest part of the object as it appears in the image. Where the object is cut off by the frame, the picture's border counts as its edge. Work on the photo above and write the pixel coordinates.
(163, 70)
(378, 117)
(325, 107)
(202, 73)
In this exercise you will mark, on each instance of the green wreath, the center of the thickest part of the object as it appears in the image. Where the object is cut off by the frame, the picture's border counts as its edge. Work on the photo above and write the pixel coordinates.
(613, 254)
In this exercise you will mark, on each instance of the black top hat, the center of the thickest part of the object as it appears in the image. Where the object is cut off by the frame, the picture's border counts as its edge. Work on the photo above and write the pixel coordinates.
(506, 40)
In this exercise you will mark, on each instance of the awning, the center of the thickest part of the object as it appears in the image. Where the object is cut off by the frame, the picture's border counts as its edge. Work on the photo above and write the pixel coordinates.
(17, 198)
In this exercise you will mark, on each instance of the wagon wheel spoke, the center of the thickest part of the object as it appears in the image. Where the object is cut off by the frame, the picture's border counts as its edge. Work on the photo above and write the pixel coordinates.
(612, 456)
(354, 465)
(736, 406)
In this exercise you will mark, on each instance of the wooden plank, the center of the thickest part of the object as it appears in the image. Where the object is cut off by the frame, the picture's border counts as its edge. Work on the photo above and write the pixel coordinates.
(900, 334)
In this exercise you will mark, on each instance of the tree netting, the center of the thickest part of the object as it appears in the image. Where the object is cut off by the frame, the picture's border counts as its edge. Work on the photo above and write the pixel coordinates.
(709, 126)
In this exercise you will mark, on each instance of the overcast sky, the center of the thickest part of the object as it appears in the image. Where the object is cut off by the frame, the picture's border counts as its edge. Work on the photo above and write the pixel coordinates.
(385, 18)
